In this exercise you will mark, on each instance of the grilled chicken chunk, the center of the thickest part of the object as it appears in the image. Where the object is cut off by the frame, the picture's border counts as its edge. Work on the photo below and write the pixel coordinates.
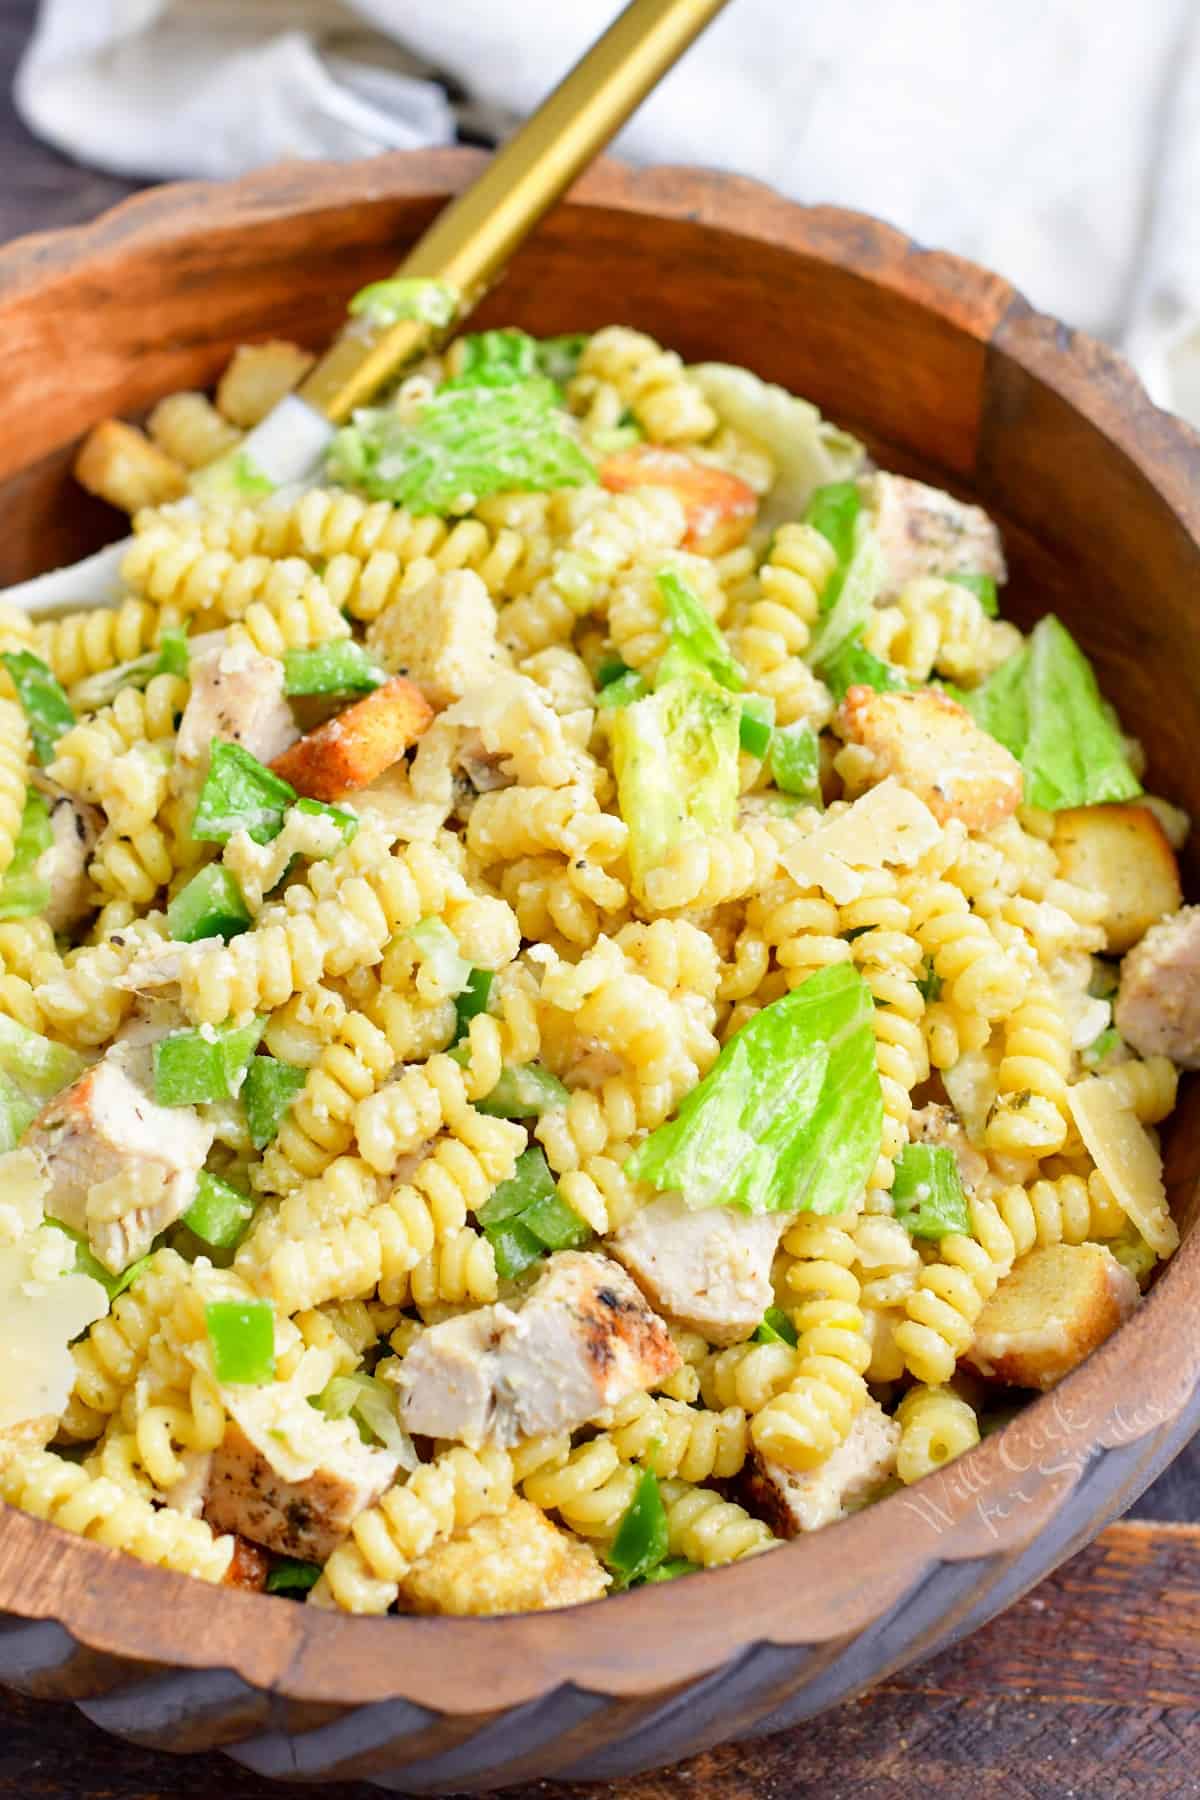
(120, 1167)
(709, 1269)
(583, 1339)
(924, 531)
(1158, 1001)
(237, 696)
(796, 1500)
(287, 1477)
(75, 826)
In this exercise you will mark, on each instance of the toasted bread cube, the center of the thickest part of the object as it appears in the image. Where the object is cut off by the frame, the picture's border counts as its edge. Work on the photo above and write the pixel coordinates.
(924, 531)
(288, 1478)
(441, 635)
(1120, 853)
(350, 751)
(118, 463)
(514, 1561)
(719, 507)
(796, 1500)
(933, 747)
(257, 378)
(1057, 1305)
(188, 427)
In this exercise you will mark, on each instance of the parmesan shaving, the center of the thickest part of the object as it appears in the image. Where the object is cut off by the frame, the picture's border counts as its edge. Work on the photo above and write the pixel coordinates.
(887, 826)
(41, 1312)
(1125, 1154)
(24, 1185)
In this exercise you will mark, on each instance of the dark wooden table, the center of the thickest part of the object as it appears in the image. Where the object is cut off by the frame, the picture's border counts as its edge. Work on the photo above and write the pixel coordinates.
(1090, 1687)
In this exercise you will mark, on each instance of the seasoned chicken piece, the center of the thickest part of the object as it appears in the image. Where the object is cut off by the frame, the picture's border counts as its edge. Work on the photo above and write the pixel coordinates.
(1120, 853)
(514, 1561)
(249, 1568)
(442, 636)
(709, 1269)
(940, 1125)
(238, 696)
(287, 1477)
(120, 1167)
(75, 827)
(933, 746)
(1158, 1001)
(583, 1339)
(1057, 1305)
(796, 1500)
(358, 744)
(924, 531)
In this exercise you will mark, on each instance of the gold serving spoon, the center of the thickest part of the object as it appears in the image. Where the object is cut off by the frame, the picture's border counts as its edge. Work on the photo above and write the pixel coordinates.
(462, 254)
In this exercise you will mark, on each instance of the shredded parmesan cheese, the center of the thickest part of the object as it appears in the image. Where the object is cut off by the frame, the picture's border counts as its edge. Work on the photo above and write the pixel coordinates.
(888, 825)
(1126, 1156)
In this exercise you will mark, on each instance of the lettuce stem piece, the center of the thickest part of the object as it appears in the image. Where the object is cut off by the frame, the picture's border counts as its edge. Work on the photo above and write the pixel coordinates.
(927, 1192)
(240, 794)
(694, 630)
(833, 511)
(849, 612)
(48, 712)
(675, 754)
(789, 1116)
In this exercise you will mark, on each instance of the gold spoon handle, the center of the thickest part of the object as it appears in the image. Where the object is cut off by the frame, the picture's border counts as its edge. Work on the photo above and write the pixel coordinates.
(472, 239)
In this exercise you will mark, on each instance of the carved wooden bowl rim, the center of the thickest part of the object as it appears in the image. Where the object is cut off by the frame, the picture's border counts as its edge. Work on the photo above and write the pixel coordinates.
(819, 1591)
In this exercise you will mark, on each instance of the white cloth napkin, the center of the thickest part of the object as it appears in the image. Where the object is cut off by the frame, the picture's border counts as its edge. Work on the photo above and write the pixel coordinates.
(1057, 141)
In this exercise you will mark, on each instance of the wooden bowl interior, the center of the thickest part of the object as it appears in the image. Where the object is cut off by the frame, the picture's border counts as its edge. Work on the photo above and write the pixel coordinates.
(941, 368)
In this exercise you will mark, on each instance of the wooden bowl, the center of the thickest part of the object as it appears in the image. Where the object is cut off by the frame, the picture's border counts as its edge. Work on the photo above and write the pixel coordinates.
(949, 375)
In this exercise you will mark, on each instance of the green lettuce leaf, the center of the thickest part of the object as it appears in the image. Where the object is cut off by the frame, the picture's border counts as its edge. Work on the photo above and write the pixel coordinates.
(675, 755)
(863, 578)
(694, 630)
(384, 303)
(808, 452)
(25, 891)
(48, 712)
(789, 1116)
(1044, 705)
(856, 666)
(465, 442)
(927, 1192)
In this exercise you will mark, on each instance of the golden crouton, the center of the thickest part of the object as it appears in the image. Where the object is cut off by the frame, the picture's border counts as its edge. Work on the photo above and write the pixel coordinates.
(1120, 853)
(118, 463)
(1058, 1305)
(441, 635)
(188, 427)
(515, 1561)
(719, 507)
(257, 378)
(933, 746)
(350, 750)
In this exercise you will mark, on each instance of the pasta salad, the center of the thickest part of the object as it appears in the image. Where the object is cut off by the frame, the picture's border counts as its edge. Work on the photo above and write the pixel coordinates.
(575, 1000)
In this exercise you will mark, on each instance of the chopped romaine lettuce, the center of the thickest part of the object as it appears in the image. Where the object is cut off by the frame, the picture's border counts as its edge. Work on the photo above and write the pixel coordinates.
(240, 794)
(623, 691)
(220, 1213)
(171, 657)
(776, 1328)
(833, 511)
(927, 1192)
(694, 630)
(17, 1111)
(861, 582)
(807, 451)
(856, 666)
(209, 905)
(984, 589)
(374, 1406)
(384, 303)
(40, 1067)
(788, 1118)
(208, 1063)
(48, 712)
(25, 890)
(1043, 704)
(495, 359)
(343, 667)
(89, 1265)
(437, 946)
(267, 1092)
(464, 444)
(523, 1091)
(558, 357)
(675, 754)
(641, 1542)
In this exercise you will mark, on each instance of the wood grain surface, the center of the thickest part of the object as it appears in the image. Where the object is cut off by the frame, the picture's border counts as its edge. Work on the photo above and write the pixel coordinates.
(1088, 1687)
